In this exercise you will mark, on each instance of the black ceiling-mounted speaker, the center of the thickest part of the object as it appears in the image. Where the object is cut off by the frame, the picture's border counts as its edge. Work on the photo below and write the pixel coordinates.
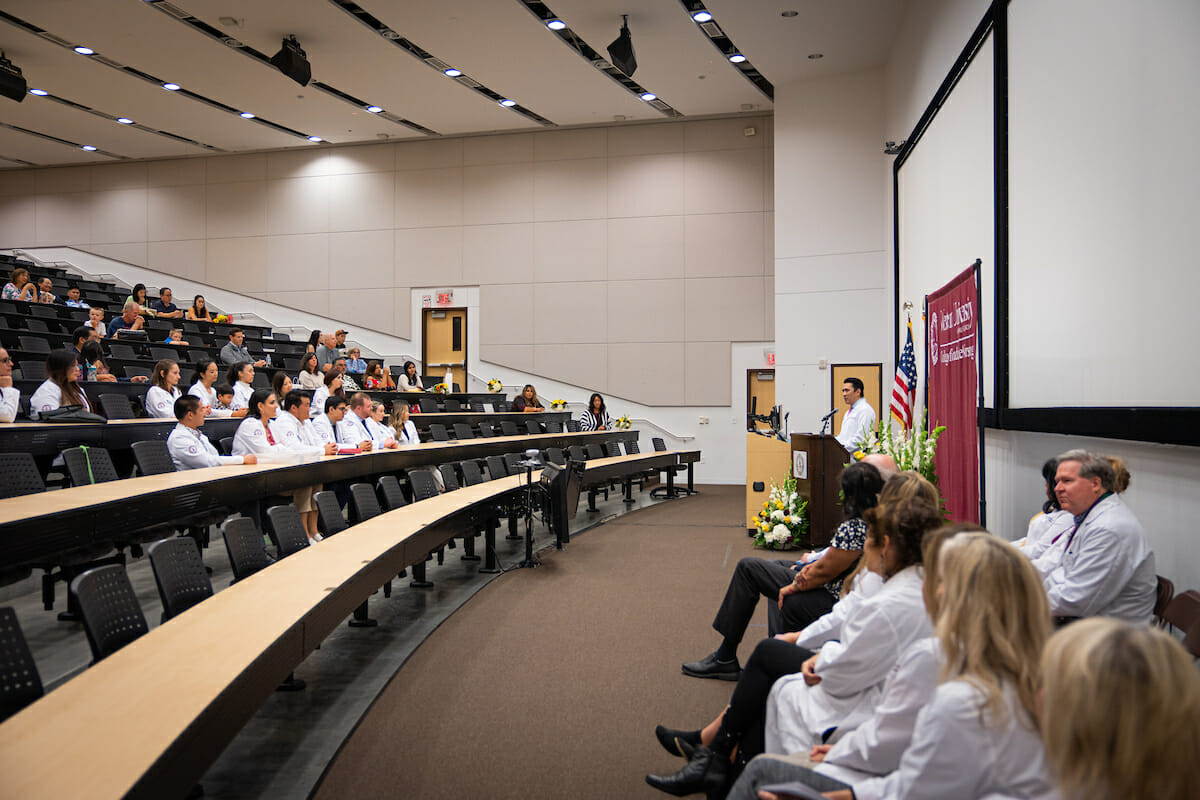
(291, 61)
(12, 83)
(620, 52)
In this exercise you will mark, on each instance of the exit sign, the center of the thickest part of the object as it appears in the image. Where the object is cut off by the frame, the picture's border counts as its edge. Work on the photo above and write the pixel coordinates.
(445, 298)
(771, 358)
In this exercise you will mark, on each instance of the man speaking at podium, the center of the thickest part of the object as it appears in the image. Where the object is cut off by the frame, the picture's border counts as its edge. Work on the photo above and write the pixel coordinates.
(859, 419)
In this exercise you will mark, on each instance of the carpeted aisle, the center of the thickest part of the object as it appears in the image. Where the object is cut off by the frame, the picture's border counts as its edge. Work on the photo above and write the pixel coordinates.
(549, 682)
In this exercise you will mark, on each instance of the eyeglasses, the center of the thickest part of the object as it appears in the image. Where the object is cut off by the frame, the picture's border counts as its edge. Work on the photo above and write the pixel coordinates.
(6, 360)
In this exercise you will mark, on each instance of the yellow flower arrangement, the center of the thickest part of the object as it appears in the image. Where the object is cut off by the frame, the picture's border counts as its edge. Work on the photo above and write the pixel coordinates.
(783, 522)
(622, 423)
(558, 404)
(441, 388)
(494, 385)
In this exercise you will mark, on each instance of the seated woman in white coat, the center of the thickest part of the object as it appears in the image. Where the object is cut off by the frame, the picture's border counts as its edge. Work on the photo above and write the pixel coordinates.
(977, 736)
(164, 390)
(203, 388)
(406, 430)
(241, 378)
(61, 387)
(838, 686)
(254, 436)
(331, 386)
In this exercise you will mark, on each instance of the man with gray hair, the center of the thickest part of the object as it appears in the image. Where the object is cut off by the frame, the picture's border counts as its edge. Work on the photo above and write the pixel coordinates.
(1107, 565)
(327, 353)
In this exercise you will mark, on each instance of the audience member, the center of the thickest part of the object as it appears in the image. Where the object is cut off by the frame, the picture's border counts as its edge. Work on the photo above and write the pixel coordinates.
(199, 310)
(281, 384)
(409, 380)
(314, 340)
(354, 361)
(73, 300)
(175, 337)
(859, 420)
(348, 382)
(1107, 565)
(378, 435)
(326, 424)
(527, 400)
(93, 367)
(326, 353)
(235, 351)
(46, 291)
(225, 401)
(406, 431)
(331, 386)
(130, 320)
(294, 430)
(163, 307)
(309, 378)
(96, 320)
(241, 377)
(191, 449)
(61, 387)
(138, 295)
(10, 396)
(1045, 526)
(202, 388)
(377, 377)
(20, 287)
(339, 341)
(595, 416)
(254, 436)
(79, 337)
(164, 389)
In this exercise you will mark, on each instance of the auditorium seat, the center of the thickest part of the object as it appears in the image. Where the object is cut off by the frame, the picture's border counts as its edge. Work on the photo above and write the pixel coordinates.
(124, 351)
(34, 344)
(428, 405)
(20, 683)
(572, 426)
(286, 530)
(449, 477)
(438, 433)
(329, 514)
(88, 465)
(391, 493)
(244, 544)
(19, 475)
(116, 406)
(508, 428)
(111, 615)
(463, 431)
(533, 427)
(451, 406)
(179, 574)
(471, 473)
(1164, 594)
(553, 426)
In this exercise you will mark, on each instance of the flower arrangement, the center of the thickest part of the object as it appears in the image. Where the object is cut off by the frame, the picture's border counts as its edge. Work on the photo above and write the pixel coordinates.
(495, 386)
(558, 404)
(783, 522)
(222, 318)
(623, 423)
(912, 450)
(442, 388)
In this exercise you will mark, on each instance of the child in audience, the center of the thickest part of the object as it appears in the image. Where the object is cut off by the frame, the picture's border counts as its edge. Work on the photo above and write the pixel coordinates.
(96, 320)
(175, 337)
(225, 400)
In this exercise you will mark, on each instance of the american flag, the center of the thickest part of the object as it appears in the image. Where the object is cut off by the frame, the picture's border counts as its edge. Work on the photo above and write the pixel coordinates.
(904, 388)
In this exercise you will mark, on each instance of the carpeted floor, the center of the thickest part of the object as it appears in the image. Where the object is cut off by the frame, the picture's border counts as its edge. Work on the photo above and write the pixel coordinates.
(549, 682)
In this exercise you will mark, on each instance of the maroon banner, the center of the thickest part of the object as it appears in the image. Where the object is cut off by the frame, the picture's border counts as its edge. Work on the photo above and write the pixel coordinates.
(951, 351)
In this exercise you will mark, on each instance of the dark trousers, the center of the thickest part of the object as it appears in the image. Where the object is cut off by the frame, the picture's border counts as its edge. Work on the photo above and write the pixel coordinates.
(757, 577)
(767, 771)
(746, 716)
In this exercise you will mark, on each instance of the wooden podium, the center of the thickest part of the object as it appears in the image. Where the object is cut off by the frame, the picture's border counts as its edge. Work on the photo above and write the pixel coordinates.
(767, 459)
(825, 458)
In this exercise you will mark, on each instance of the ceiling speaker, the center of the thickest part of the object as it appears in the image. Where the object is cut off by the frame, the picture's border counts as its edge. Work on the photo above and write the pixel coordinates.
(620, 52)
(291, 61)
(12, 83)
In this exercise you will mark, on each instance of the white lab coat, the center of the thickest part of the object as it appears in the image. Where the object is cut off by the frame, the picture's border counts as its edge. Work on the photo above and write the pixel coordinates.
(380, 433)
(10, 403)
(857, 422)
(955, 755)
(241, 395)
(160, 403)
(320, 395)
(323, 429)
(48, 397)
(1108, 569)
(300, 438)
(1042, 531)
(251, 437)
(875, 747)
(852, 670)
(829, 626)
(408, 434)
(350, 432)
(208, 398)
(191, 449)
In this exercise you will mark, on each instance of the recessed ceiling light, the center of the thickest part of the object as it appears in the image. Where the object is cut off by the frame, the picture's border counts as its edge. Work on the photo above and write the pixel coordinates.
(737, 58)
(702, 16)
(556, 24)
(815, 56)
(89, 147)
(246, 115)
(84, 51)
(171, 87)
(39, 92)
(125, 120)
(648, 96)
(374, 109)
(454, 73)
(315, 139)
(508, 103)
(789, 14)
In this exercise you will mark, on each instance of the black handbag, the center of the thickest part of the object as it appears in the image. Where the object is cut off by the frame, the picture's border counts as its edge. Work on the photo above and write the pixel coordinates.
(71, 414)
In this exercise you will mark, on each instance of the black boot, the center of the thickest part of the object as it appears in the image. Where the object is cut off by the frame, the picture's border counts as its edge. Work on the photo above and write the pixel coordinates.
(678, 743)
(707, 772)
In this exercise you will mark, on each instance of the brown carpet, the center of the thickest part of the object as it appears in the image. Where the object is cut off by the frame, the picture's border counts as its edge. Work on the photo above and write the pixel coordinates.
(549, 682)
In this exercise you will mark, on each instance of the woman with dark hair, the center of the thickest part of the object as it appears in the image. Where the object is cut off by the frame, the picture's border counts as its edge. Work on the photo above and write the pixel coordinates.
(199, 310)
(21, 288)
(61, 387)
(1046, 527)
(314, 339)
(377, 377)
(254, 434)
(308, 377)
(595, 416)
(281, 384)
(241, 377)
(409, 380)
(138, 295)
(527, 400)
(331, 386)
(204, 387)
(164, 390)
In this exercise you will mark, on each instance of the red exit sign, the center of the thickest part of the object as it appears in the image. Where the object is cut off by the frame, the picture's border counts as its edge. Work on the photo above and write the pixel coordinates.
(445, 298)
(771, 359)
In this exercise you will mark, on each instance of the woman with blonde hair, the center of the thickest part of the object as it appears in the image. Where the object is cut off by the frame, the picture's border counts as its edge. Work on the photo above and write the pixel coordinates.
(1120, 712)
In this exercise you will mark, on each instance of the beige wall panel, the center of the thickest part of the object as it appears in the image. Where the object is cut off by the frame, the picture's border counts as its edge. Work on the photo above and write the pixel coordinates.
(769, 179)
(298, 205)
(297, 164)
(63, 179)
(106, 177)
(719, 245)
(769, 242)
(184, 258)
(506, 314)
(119, 216)
(769, 310)
(724, 134)
(497, 193)
(129, 252)
(642, 247)
(429, 154)
(312, 302)
(725, 309)
(236, 209)
(63, 218)
(574, 189)
(706, 368)
(503, 149)
(235, 169)
(361, 202)
(424, 256)
(555, 145)
(647, 372)
(645, 311)
(14, 182)
(299, 262)
(361, 259)
(18, 221)
(402, 320)
(570, 251)
(177, 173)
(239, 264)
(498, 254)
(832, 272)
(645, 186)
(429, 197)
(366, 308)
(358, 160)
(636, 140)
(176, 212)
(584, 365)
(570, 313)
(718, 181)
(517, 356)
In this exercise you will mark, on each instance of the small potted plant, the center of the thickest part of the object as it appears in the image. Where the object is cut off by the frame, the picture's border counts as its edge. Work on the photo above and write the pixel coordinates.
(495, 386)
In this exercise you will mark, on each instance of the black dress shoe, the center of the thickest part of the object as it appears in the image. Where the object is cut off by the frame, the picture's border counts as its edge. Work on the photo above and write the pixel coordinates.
(710, 667)
(706, 772)
(678, 743)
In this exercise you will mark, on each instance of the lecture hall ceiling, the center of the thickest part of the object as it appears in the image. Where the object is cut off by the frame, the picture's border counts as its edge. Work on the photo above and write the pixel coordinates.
(213, 49)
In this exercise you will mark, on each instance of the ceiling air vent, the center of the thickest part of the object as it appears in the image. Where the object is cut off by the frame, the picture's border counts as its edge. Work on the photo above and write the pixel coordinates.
(468, 82)
(174, 11)
(712, 29)
(437, 63)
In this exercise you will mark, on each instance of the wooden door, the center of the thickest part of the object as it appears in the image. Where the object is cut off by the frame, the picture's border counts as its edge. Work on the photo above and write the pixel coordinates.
(872, 377)
(444, 344)
(760, 394)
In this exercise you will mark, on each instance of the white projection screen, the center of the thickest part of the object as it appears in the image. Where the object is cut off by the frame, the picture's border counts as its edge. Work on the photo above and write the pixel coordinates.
(946, 206)
(1104, 188)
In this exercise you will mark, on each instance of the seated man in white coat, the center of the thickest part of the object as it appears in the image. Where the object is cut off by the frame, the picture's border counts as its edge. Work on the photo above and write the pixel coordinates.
(360, 415)
(340, 427)
(1107, 565)
(859, 420)
(191, 449)
(10, 396)
(294, 430)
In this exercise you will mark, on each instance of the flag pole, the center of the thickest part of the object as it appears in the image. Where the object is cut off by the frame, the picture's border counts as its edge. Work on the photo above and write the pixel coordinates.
(977, 266)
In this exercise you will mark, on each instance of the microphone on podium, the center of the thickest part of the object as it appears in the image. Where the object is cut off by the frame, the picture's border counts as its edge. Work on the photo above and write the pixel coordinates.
(829, 416)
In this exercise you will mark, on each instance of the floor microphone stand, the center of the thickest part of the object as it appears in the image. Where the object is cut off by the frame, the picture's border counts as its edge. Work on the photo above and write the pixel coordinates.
(530, 559)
